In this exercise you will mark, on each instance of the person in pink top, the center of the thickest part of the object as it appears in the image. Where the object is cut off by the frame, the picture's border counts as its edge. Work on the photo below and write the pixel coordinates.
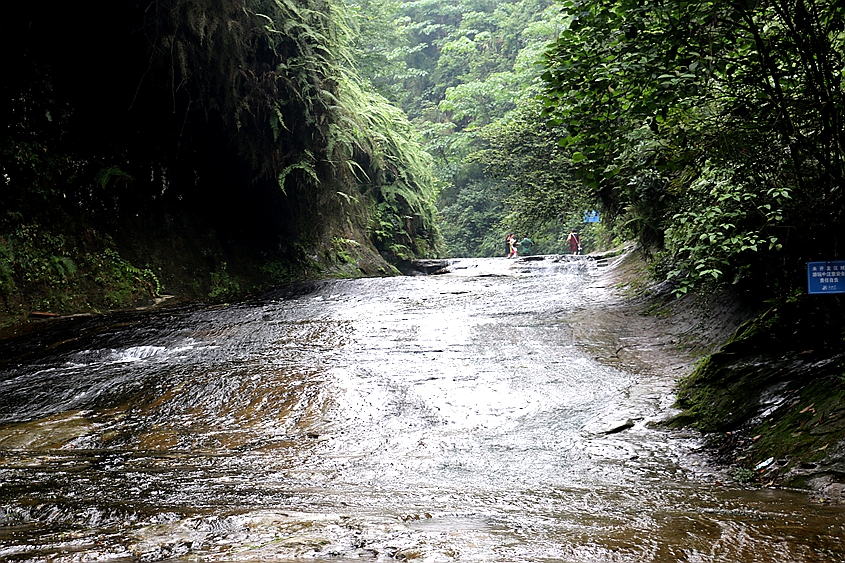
(511, 245)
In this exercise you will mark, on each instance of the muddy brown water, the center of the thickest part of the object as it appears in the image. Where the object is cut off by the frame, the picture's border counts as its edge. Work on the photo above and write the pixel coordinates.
(441, 418)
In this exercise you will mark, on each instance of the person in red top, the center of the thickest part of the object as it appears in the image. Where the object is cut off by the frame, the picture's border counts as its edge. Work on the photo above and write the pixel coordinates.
(574, 242)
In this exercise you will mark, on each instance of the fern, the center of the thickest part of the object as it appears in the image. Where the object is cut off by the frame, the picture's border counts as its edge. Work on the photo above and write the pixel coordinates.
(308, 124)
(305, 166)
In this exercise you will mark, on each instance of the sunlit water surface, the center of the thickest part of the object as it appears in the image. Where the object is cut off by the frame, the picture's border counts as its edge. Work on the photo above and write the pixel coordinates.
(442, 418)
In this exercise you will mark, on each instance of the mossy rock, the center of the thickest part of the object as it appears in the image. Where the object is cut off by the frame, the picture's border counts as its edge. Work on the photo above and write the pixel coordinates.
(775, 390)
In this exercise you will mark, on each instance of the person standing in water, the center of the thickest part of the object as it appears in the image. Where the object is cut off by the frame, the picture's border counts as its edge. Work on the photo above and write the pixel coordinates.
(511, 245)
(574, 242)
(526, 244)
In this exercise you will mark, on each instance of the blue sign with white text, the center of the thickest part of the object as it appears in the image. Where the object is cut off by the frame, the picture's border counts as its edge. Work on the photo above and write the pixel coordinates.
(826, 277)
(591, 216)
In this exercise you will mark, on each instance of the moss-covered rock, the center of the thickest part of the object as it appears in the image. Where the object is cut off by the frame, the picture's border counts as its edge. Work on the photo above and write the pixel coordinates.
(774, 395)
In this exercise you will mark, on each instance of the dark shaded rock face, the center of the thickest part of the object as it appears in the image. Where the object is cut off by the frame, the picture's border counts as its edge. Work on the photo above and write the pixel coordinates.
(423, 267)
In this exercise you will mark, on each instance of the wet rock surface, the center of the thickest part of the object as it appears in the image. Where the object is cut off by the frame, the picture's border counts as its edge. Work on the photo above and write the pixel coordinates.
(502, 411)
(423, 267)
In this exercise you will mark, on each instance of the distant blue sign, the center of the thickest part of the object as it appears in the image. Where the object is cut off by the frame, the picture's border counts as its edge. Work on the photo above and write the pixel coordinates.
(826, 277)
(591, 216)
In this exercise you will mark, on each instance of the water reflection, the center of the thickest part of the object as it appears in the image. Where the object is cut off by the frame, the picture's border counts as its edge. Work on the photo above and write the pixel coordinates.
(447, 418)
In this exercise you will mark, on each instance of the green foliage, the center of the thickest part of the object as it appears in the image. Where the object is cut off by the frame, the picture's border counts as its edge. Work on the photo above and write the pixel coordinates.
(121, 282)
(247, 120)
(743, 475)
(30, 254)
(380, 45)
(724, 140)
(107, 175)
(722, 231)
(32, 162)
(522, 154)
(342, 247)
(466, 64)
(223, 284)
(479, 101)
(7, 257)
(471, 221)
(379, 150)
(385, 222)
(278, 272)
(50, 269)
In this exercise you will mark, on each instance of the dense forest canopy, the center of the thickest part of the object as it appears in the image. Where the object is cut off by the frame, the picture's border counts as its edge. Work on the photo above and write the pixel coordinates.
(710, 131)
(713, 129)
(467, 74)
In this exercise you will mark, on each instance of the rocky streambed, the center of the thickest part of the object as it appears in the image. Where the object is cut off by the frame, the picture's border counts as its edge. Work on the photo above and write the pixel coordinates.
(504, 410)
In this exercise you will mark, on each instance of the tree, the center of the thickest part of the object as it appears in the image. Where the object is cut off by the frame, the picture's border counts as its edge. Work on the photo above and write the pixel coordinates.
(714, 124)
(481, 64)
(521, 153)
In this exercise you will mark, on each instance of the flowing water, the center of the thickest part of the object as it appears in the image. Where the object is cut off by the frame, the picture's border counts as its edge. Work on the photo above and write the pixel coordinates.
(442, 418)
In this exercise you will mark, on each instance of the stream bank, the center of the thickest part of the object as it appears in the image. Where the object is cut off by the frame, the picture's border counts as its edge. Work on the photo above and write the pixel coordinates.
(765, 384)
(57, 264)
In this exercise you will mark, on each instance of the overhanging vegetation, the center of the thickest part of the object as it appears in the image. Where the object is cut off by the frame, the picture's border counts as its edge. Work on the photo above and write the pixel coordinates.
(241, 124)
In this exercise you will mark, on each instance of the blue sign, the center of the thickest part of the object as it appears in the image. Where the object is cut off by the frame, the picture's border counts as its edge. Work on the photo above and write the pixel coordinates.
(591, 216)
(826, 277)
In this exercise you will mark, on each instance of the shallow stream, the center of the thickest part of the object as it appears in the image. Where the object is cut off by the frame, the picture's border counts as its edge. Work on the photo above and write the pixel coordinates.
(443, 418)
